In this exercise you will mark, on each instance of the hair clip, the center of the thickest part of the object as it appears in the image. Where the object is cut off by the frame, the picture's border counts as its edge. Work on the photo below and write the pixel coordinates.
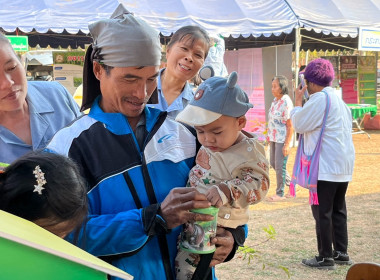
(40, 180)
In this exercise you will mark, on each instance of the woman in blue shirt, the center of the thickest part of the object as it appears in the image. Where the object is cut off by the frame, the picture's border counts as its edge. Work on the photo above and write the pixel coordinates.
(30, 112)
(185, 54)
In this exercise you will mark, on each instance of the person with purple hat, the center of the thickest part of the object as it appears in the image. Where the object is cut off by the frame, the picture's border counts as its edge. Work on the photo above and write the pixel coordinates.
(336, 161)
(231, 168)
(135, 159)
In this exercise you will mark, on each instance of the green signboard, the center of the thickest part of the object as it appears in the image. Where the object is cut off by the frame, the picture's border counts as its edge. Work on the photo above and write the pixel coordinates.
(367, 82)
(19, 43)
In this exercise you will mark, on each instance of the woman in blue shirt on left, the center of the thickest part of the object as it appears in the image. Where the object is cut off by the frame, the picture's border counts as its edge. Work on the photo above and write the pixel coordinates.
(30, 112)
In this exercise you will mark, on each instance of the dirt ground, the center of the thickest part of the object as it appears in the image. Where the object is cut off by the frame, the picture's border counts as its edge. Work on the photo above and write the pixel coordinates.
(295, 235)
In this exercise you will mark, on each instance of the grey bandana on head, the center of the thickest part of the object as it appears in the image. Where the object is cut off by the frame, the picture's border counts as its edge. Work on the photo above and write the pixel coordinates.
(121, 41)
(124, 40)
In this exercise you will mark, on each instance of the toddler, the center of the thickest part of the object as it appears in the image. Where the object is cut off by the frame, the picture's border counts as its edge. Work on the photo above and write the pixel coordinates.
(231, 167)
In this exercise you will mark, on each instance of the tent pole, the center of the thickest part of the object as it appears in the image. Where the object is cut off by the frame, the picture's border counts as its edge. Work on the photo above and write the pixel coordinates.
(297, 62)
(327, 42)
(296, 70)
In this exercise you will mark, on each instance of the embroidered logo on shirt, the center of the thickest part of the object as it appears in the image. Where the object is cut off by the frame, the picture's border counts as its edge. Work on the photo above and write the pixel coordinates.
(167, 136)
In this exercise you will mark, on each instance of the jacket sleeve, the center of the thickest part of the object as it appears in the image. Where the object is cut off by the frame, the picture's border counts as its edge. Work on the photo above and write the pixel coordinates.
(103, 235)
(250, 189)
(251, 179)
(122, 233)
(310, 116)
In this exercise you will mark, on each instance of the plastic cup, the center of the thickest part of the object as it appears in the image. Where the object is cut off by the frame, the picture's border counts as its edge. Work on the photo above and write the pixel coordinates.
(196, 236)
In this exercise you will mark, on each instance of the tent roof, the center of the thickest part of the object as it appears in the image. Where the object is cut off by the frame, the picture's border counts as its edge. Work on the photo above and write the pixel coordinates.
(339, 17)
(231, 18)
(228, 17)
(65, 39)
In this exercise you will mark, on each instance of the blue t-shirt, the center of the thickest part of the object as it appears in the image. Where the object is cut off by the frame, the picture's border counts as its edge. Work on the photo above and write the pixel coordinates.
(51, 107)
(178, 104)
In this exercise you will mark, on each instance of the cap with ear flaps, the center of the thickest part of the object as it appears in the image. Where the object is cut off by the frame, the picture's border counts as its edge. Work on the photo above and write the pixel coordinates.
(214, 98)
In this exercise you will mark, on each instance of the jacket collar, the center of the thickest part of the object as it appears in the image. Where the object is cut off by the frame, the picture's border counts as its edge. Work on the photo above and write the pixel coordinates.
(187, 92)
(117, 122)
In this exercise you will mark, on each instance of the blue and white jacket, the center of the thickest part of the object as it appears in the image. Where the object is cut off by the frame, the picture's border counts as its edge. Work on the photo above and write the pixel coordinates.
(106, 149)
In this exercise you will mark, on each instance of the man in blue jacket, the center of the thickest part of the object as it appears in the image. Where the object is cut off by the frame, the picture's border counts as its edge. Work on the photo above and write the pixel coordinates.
(135, 160)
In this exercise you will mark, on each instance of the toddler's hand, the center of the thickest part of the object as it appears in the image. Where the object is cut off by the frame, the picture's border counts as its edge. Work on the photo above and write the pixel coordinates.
(214, 197)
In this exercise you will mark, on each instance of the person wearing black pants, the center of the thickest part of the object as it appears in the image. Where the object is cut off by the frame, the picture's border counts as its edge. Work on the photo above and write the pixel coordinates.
(336, 160)
(331, 218)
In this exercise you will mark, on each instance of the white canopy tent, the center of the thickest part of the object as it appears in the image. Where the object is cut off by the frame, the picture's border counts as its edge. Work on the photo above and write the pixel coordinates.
(227, 17)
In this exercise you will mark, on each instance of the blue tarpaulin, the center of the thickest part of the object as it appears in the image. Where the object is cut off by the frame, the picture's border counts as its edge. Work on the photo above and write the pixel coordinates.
(227, 17)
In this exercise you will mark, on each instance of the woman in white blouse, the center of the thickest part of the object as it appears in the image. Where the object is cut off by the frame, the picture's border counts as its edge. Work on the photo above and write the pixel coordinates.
(336, 161)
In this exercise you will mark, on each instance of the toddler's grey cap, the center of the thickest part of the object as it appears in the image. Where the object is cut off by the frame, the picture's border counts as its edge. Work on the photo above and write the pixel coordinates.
(215, 97)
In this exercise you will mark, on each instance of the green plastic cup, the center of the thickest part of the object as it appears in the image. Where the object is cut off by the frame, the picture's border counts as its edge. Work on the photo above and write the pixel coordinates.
(196, 236)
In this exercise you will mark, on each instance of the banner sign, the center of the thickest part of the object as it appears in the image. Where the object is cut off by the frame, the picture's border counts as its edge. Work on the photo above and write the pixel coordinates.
(349, 78)
(19, 43)
(367, 79)
(369, 39)
(68, 69)
(335, 63)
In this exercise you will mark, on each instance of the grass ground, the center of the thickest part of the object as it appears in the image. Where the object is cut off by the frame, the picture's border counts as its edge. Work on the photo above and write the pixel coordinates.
(294, 225)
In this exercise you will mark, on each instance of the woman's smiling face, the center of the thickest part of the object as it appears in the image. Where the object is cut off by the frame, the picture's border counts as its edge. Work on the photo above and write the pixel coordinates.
(186, 57)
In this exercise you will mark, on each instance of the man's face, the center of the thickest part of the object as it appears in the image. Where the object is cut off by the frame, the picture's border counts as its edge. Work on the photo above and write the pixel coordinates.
(126, 90)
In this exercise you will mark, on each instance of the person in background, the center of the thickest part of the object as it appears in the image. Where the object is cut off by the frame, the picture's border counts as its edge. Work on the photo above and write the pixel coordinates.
(280, 131)
(134, 158)
(46, 189)
(215, 57)
(185, 54)
(30, 112)
(231, 168)
(300, 71)
(336, 161)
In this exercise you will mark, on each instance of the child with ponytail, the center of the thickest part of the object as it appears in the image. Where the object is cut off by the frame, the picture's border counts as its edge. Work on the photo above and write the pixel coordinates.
(46, 189)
